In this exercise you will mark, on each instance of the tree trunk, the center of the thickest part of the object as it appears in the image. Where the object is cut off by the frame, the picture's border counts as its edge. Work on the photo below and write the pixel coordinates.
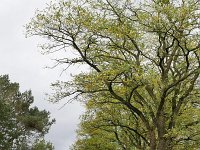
(152, 140)
(163, 143)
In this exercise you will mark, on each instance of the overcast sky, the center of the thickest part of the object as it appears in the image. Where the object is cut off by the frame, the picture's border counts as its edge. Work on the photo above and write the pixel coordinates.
(20, 58)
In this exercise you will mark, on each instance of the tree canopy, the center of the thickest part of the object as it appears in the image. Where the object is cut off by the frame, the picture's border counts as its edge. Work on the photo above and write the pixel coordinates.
(21, 125)
(142, 88)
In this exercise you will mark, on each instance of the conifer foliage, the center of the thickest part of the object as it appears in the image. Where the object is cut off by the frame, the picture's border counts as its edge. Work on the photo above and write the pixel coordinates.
(22, 127)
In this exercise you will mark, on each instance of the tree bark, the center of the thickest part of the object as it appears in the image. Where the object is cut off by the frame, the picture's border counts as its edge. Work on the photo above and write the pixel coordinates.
(163, 143)
(152, 140)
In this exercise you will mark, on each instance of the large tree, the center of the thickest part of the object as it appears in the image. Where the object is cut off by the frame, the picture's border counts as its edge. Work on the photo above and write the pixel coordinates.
(144, 57)
(21, 125)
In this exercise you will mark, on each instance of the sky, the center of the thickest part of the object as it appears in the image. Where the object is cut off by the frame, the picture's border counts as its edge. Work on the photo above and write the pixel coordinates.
(21, 60)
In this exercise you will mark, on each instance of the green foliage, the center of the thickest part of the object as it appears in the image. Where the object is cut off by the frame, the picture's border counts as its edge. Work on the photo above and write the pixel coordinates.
(42, 145)
(142, 88)
(19, 123)
(109, 127)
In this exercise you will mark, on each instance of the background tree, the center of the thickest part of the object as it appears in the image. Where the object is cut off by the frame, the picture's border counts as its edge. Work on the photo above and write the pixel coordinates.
(142, 56)
(20, 124)
(42, 145)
